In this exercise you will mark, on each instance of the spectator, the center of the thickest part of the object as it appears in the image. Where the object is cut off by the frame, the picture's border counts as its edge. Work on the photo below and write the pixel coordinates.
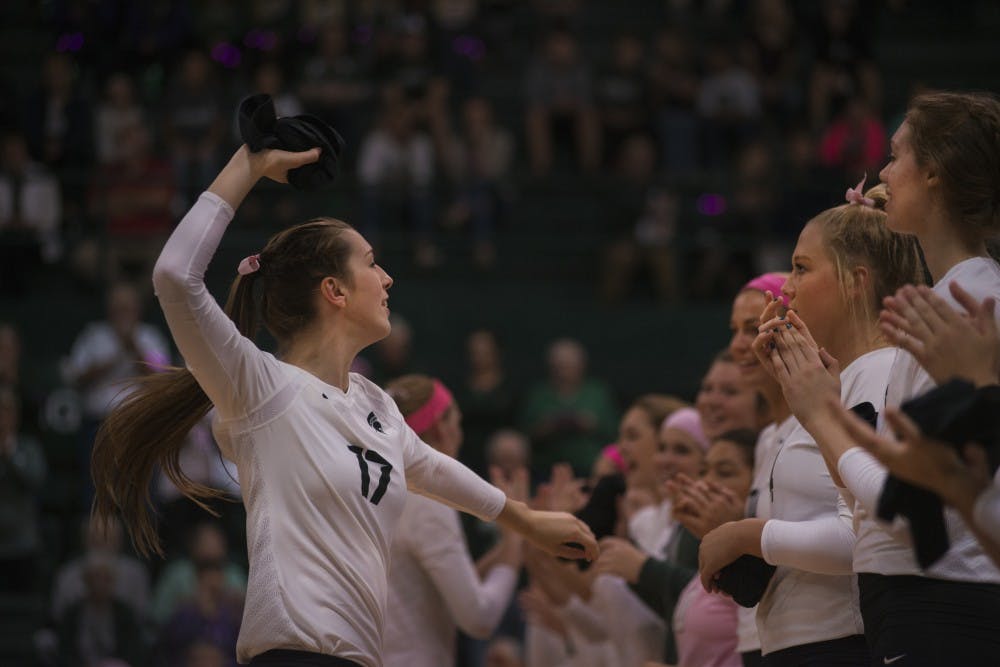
(133, 199)
(673, 87)
(99, 627)
(194, 125)
(844, 62)
(179, 580)
(754, 200)
(644, 225)
(30, 216)
(569, 416)
(396, 169)
(559, 103)
(774, 41)
(394, 353)
(487, 394)
(622, 96)
(458, 42)
(728, 103)
(270, 79)
(154, 33)
(806, 187)
(22, 472)
(106, 354)
(26, 379)
(211, 615)
(118, 111)
(57, 119)
(334, 84)
(478, 162)
(410, 67)
(130, 580)
(855, 142)
(508, 450)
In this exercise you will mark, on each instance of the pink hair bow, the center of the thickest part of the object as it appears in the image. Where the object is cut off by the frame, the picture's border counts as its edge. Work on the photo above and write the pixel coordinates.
(248, 265)
(856, 195)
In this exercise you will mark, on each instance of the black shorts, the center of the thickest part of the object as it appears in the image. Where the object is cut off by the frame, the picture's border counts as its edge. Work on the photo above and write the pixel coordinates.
(752, 659)
(844, 652)
(287, 658)
(915, 621)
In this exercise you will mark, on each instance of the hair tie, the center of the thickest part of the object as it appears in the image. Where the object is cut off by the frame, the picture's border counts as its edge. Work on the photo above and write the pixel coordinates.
(856, 195)
(248, 265)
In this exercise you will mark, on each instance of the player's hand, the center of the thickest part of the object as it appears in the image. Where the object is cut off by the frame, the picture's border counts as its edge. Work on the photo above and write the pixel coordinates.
(275, 164)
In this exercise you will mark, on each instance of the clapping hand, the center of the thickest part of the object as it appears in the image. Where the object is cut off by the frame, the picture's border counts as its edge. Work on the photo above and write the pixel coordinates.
(701, 506)
(945, 342)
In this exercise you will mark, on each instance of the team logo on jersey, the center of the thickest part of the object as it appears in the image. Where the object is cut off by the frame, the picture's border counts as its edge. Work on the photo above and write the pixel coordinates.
(375, 423)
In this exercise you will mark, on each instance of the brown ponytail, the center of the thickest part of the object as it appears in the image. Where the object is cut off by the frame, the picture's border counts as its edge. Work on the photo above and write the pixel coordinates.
(149, 427)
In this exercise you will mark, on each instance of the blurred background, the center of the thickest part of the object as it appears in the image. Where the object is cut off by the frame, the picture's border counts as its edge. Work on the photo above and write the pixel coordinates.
(565, 192)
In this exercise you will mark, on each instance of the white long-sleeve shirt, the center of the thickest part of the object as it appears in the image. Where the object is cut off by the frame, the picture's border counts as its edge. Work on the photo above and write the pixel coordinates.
(885, 548)
(826, 545)
(768, 444)
(813, 594)
(434, 587)
(324, 472)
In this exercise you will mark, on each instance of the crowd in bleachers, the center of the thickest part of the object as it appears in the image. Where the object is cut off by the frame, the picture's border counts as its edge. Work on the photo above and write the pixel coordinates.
(706, 136)
(447, 107)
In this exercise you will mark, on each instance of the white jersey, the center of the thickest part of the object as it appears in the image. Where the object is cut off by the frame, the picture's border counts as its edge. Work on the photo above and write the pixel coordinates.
(826, 545)
(434, 587)
(324, 473)
(768, 444)
(813, 598)
(887, 549)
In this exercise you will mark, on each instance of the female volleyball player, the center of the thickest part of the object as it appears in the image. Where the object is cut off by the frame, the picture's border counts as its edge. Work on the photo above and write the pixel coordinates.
(324, 456)
(943, 180)
(433, 583)
(844, 263)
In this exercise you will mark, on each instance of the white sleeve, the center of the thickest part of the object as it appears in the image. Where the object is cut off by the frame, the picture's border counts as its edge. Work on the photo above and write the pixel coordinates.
(863, 476)
(475, 606)
(823, 546)
(237, 376)
(434, 475)
(986, 512)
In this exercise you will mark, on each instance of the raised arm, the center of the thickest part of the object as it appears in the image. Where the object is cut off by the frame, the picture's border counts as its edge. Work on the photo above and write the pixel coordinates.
(227, 365)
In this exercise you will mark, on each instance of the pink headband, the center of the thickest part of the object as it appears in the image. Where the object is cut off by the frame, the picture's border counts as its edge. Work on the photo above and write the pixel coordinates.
(612, 454)
(856, 195)
(248, 265)
(427, 414)
(689, 421)
(769, 282)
